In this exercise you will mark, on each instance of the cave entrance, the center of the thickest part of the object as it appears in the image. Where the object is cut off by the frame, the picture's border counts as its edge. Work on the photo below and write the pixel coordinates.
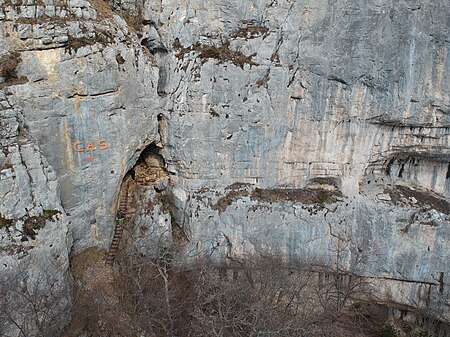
(149, 171)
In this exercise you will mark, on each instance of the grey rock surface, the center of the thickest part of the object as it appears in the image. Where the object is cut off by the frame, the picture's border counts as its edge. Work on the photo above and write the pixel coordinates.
(90, 105)
(349, 94)
(152, 230)
(35, 240)
(310, 129)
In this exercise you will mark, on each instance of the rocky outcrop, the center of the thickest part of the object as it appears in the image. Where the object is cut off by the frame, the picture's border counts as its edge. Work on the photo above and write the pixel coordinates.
(34, 236)
(60, 70)
(315, 130)
(308, 98)
(89, 101)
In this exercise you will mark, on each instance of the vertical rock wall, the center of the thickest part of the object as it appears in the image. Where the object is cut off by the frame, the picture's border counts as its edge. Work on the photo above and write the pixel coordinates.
(77, 108)
(311, 129)
(272, 106)
(34, 234)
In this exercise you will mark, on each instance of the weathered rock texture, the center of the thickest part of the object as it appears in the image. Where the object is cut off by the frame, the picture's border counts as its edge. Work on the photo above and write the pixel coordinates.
(34, 234)
(314, 98)
(311, 129)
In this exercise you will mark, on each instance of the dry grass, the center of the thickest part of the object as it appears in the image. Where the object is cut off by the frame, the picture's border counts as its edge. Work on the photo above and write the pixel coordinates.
(102, 37)
(8, 67)
(306, 196)
(222, 53)
(5, 223)
(103, 8)
(250, 32)
(87, 258)
(9, 63)
(95, 301)
(34, 223)
(402, 195)
(235, 191)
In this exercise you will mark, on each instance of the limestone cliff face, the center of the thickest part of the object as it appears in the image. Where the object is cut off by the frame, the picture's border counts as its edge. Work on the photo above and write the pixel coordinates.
(318, 130)
(75, 109)
(91, 103)
(315, 98)
(34, 233)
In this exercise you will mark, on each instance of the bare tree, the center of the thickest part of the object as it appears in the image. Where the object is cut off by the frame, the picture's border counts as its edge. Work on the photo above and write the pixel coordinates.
(258, 297)
(153, 292)
(33, 302)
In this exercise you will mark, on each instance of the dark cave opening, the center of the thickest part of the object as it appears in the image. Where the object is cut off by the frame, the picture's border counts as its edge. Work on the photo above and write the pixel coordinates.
(148, 171)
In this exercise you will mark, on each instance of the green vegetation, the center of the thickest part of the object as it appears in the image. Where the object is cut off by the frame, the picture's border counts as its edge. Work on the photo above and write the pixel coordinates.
(49, 213)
